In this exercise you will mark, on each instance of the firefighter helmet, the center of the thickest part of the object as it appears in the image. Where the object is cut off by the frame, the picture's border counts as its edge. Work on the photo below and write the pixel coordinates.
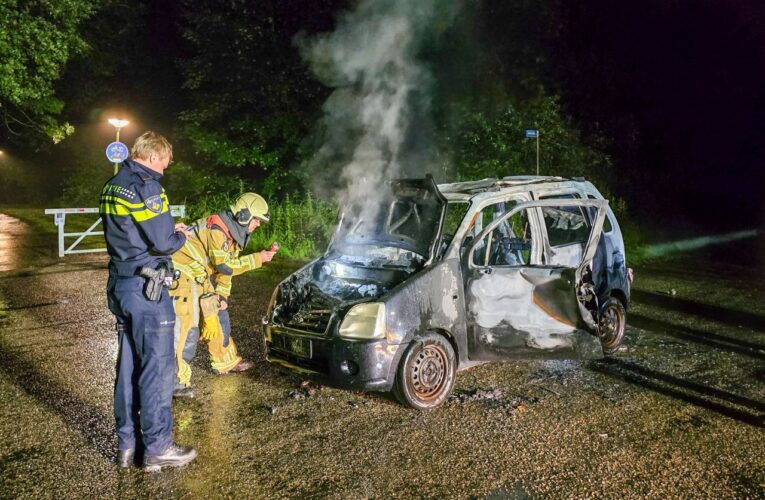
(249, 206)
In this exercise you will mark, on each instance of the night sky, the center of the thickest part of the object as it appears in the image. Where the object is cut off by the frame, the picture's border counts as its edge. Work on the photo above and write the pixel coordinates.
(677, 87)
(680, 87)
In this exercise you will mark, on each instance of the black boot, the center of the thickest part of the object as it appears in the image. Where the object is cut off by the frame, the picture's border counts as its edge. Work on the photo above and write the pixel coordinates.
(174, 456)
(125, 457)
(183, 392)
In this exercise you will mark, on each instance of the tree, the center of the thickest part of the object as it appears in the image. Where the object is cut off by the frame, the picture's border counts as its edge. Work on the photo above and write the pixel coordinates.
(253, 99)
(484, 141)
(494, 82)
(39, 37)
(128, 70)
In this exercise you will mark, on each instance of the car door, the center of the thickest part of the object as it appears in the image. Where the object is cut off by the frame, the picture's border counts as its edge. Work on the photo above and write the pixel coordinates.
(524, 300)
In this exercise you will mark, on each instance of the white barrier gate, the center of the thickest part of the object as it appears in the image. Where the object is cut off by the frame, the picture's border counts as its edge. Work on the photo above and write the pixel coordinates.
(59, 219)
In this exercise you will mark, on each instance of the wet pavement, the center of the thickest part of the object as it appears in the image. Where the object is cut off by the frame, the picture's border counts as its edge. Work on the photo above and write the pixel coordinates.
(21, 246)
(678, 414)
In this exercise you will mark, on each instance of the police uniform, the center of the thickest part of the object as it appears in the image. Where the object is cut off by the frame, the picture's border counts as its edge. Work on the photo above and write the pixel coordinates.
(207, 262)
(140, 232)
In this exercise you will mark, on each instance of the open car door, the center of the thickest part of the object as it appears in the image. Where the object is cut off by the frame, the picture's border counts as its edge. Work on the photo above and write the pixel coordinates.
(528, 282)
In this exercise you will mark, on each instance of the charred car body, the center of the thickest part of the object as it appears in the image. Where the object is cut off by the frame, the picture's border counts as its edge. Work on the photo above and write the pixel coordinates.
(434, 278)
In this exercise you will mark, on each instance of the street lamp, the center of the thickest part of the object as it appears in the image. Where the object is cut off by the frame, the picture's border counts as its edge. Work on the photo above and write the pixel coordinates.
(118, 124)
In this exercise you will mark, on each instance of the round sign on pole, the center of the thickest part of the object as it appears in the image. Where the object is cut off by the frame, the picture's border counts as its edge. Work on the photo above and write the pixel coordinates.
(117, 152)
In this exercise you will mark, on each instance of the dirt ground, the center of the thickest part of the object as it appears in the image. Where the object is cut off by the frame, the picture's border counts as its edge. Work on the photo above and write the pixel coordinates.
(678, 414)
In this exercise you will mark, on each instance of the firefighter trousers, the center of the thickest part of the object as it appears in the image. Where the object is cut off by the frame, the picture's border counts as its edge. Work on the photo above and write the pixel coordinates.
(189, 319)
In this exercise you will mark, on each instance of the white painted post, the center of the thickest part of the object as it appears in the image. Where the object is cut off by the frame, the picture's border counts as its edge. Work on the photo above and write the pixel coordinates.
(60, 220)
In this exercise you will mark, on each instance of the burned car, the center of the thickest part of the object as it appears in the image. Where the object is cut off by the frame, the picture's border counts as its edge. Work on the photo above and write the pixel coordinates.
(434, 278)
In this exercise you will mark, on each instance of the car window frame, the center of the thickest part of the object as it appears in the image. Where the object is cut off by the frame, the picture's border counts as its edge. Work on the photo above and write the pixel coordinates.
(588, 252)
(489, 236)
(609, 215)
(575, 194)
(476, 207)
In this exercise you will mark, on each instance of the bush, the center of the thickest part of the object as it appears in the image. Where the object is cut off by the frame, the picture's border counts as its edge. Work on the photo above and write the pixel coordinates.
(301, 225)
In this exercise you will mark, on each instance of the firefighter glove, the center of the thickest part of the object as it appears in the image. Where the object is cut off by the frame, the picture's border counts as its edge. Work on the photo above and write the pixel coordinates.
(209, 305)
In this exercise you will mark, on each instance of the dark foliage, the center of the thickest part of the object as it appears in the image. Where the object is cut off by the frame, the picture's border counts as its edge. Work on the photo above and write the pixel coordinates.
(252, 98)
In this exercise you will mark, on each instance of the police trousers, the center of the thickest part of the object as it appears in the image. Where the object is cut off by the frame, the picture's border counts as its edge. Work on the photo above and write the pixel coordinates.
(143, 392)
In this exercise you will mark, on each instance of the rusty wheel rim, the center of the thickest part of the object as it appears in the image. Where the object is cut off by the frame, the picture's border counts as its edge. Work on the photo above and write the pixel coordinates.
(428, 372)
(611, 326)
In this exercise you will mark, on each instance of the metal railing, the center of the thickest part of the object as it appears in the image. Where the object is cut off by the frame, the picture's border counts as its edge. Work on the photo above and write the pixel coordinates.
(59, 219)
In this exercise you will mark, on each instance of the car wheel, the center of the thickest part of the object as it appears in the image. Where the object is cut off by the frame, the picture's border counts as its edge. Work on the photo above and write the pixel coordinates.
(611, 324)
(426, 373)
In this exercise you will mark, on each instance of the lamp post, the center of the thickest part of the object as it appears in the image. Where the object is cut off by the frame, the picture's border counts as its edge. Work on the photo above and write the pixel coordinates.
(118, 124)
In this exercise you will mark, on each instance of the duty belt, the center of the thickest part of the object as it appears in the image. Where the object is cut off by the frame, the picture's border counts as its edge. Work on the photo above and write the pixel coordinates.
(132, 268)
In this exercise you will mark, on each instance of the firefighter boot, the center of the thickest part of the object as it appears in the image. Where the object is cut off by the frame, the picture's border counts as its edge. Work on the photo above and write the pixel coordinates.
(242, 366)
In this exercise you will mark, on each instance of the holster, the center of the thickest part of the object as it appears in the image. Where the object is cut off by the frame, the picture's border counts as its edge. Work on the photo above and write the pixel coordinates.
(156, 280)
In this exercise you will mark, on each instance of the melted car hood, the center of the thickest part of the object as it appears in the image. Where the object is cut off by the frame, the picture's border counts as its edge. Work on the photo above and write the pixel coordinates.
(378, 244)
(408, 214)
(329, 283)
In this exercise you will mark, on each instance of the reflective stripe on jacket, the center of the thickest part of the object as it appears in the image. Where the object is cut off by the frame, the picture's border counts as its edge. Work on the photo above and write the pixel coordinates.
(212, 254)
(138, 227)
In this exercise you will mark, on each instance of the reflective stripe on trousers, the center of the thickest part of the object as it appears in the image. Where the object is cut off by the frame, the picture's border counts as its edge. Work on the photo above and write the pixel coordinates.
(223, 352)
(186, 333)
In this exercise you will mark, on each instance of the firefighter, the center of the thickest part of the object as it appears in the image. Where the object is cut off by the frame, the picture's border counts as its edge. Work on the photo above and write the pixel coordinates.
(207, 262)
(140, 237)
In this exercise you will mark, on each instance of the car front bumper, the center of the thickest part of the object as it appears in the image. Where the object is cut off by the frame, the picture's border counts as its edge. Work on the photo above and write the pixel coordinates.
(367, 365)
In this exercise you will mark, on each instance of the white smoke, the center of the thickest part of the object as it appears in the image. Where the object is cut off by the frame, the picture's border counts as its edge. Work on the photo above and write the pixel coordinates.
(371, 62)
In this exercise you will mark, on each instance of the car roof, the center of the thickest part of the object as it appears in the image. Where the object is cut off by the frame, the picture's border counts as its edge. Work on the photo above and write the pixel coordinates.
(467, 190)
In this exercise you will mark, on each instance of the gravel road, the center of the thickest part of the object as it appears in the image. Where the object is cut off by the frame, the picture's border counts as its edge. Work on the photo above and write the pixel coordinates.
(679, 413)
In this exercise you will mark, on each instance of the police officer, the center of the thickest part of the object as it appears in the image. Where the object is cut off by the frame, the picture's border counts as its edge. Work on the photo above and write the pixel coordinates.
(140, 236)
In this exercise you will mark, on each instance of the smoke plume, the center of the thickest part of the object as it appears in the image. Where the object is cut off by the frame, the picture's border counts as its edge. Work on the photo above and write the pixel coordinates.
(379, 106)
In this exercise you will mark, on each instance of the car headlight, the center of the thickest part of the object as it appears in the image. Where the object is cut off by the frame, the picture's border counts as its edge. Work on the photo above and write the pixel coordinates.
(271, 303)
(269, 313)
(364, 321)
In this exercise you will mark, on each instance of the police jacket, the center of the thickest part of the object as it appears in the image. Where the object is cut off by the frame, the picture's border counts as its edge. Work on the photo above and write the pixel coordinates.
(138, 227)
(211, 255)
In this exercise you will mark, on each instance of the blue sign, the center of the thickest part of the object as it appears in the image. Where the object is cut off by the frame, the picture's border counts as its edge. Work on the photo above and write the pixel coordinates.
(532, 133)
(117, 152)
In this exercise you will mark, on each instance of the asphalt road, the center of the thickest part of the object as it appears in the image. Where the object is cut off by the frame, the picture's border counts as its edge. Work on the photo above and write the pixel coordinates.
(678, 414)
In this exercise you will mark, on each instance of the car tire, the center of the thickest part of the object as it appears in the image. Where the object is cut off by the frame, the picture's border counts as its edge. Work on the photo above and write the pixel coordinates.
(612, 322)
(426, 372)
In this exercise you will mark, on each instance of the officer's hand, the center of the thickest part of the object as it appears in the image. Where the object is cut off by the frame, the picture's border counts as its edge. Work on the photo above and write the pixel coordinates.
(223, 303)
(266, 256)
(188, 232)
(180, 227)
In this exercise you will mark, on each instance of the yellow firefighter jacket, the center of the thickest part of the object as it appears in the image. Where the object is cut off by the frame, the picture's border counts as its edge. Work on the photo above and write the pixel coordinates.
(211, 256)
